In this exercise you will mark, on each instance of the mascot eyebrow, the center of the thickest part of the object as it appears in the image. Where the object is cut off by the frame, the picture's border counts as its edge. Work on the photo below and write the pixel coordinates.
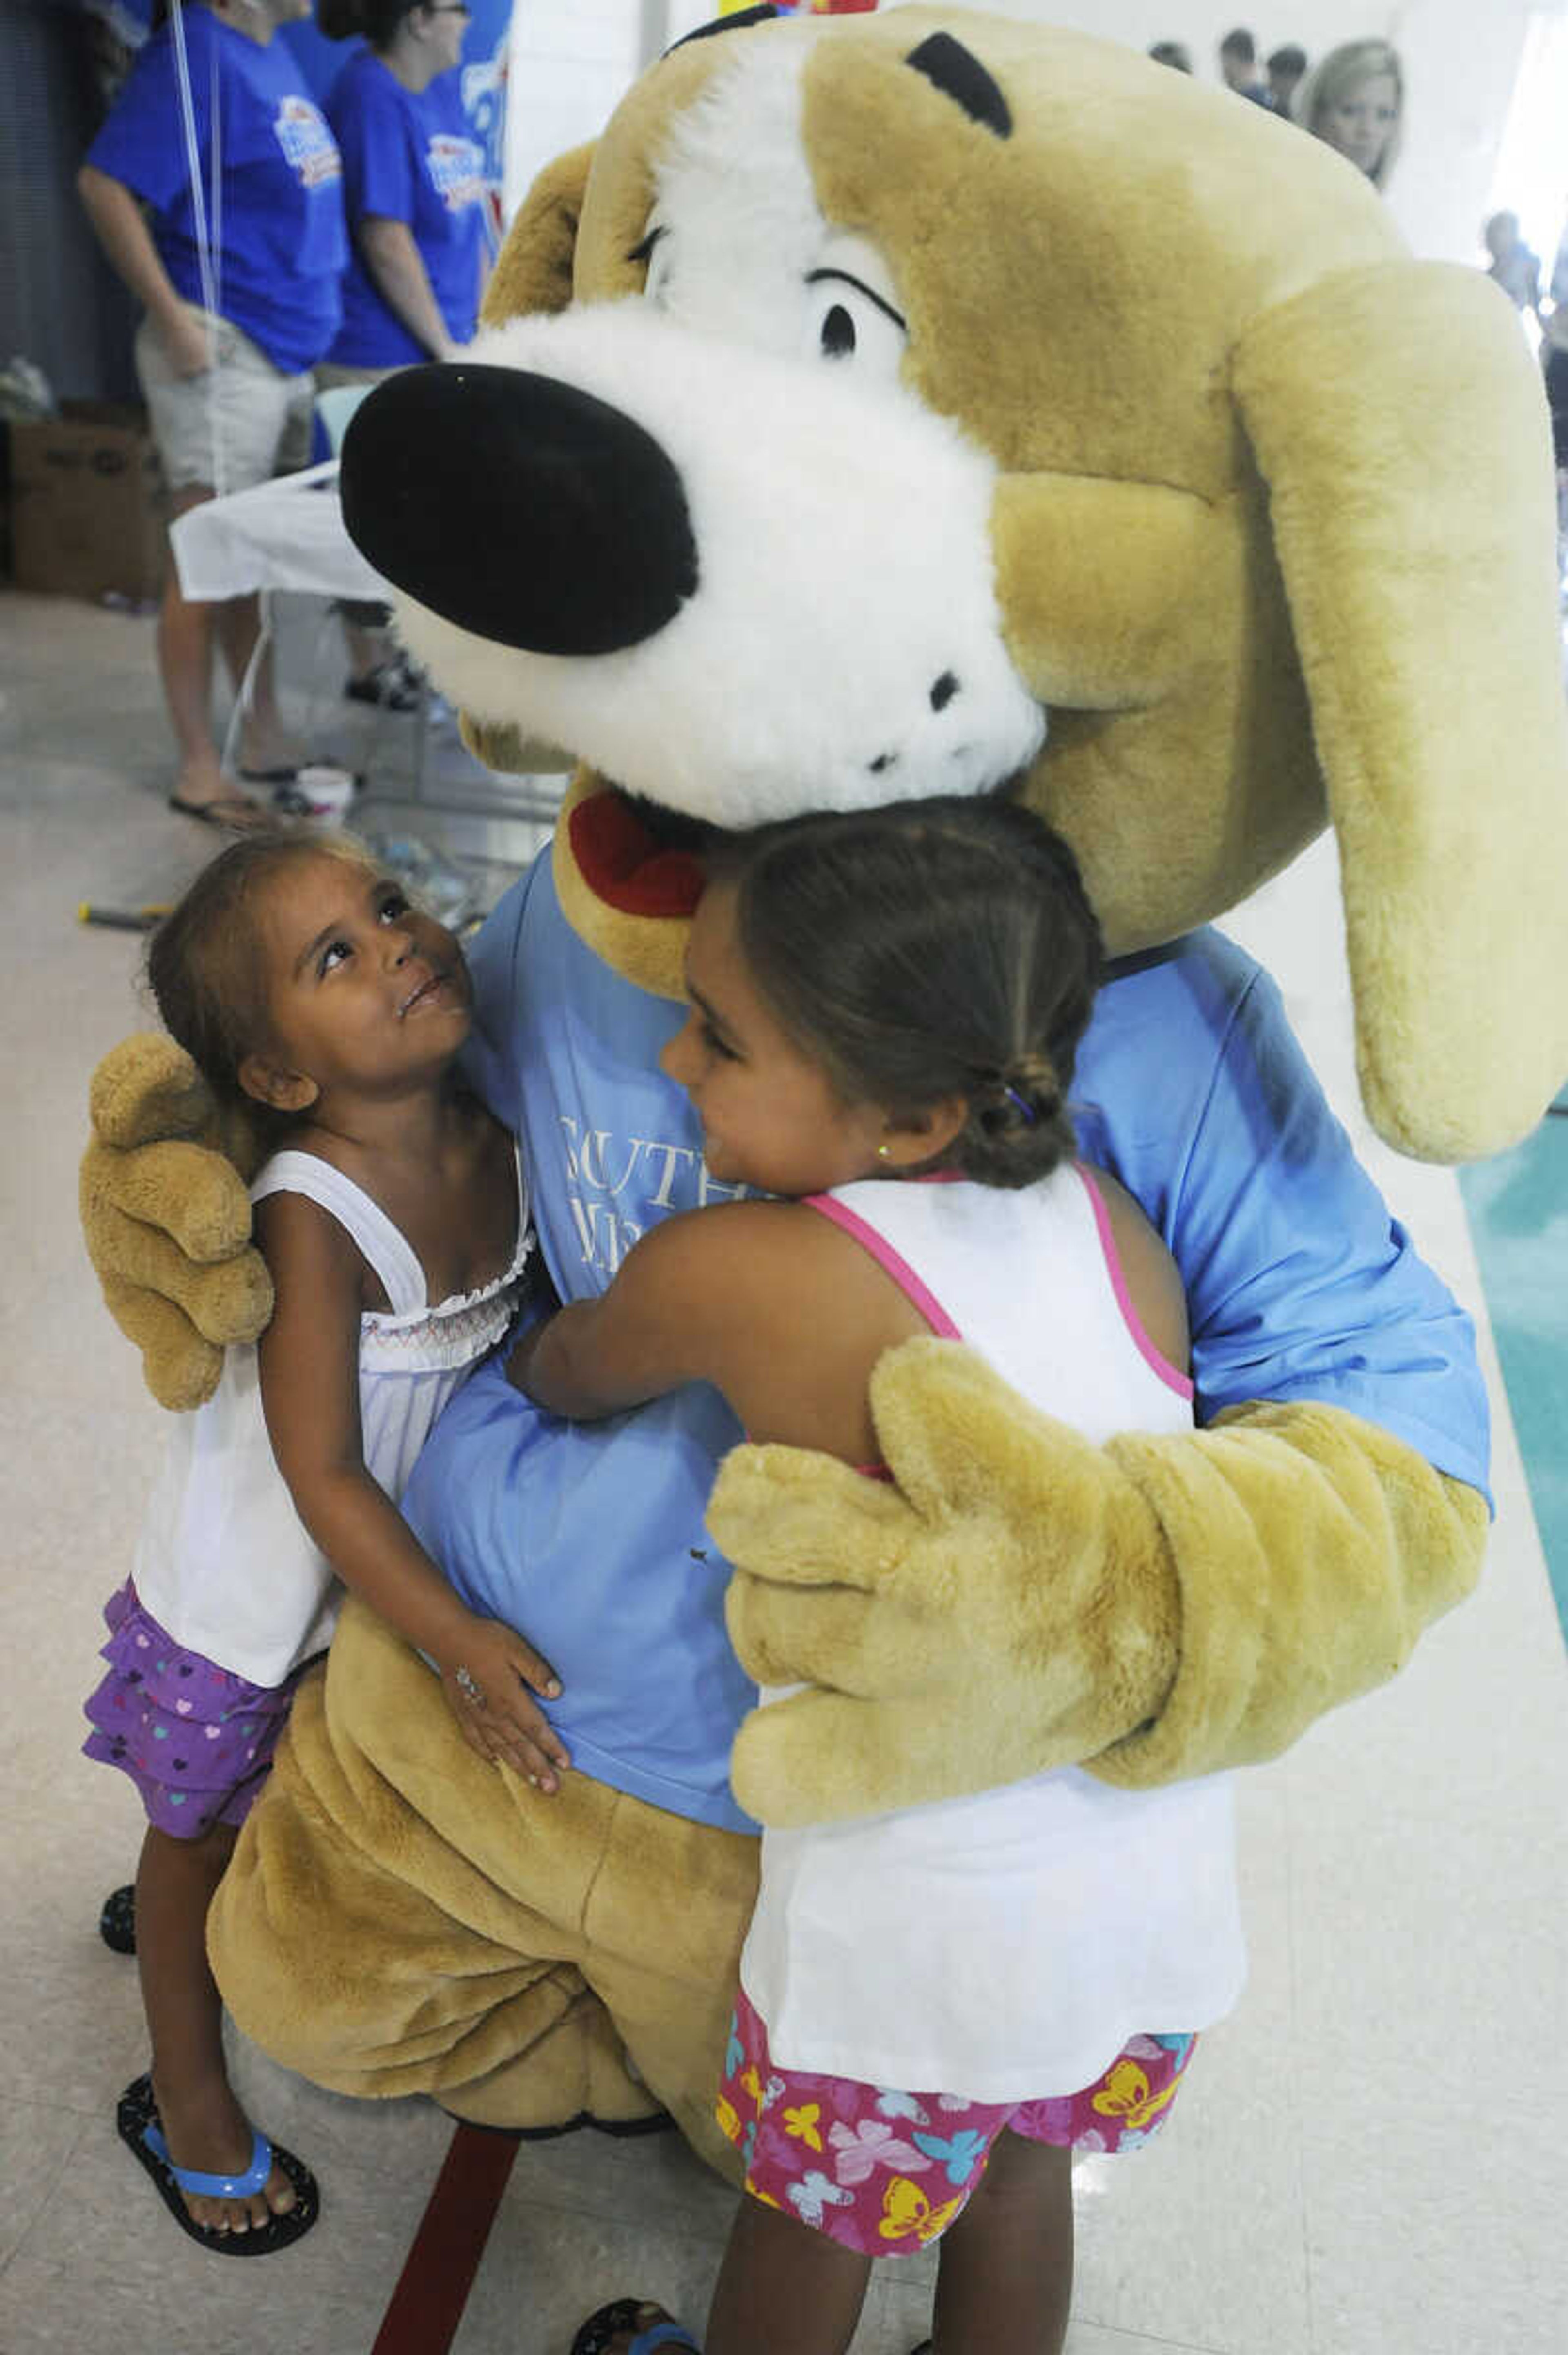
(734, 24)
(946, 64)
(847, 278)
(957, 72)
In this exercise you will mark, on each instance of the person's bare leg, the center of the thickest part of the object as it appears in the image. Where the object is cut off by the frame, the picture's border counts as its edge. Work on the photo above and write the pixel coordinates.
(368, 651)
(203, 2125)
(783, 2289)
(264, 742)
(1004, 2277)
(185, 632)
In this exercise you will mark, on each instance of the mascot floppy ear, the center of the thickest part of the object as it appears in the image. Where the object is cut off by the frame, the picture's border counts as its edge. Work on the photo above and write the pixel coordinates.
(534, 272)
(1451, 916)
(534, 269)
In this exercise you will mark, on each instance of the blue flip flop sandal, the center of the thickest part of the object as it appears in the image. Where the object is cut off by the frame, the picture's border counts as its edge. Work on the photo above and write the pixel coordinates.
(138, 2125)
(622, 2314)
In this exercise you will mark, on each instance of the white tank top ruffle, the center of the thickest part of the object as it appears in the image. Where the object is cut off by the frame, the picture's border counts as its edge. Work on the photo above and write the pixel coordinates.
(223, 1562)
(1005, 1946)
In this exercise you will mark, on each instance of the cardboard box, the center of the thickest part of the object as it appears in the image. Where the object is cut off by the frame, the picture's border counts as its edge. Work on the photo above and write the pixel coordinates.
(87, 502)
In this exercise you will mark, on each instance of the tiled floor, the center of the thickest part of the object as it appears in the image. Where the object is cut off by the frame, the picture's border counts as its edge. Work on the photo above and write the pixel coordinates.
(1366, 2161)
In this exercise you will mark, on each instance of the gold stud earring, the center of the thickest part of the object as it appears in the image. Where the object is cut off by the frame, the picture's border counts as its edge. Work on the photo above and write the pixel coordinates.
(883, 1150)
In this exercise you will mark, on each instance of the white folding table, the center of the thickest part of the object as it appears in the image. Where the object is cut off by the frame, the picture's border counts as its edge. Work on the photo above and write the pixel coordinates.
(289, 534)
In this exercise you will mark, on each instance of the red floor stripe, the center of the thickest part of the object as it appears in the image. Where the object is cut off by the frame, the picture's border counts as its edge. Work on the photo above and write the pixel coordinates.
(432, 2289)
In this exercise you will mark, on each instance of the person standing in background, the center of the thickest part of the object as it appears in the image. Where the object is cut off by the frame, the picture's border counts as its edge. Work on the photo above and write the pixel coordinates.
(414, 189)
(229, 230)
(1285, 69)
(1239, 68)
(1514, 266)
(1353, 100)
(1555, 362)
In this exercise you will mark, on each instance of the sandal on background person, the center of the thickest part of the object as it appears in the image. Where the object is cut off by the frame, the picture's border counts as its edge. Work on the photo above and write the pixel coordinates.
(392, 686)
(236, 813)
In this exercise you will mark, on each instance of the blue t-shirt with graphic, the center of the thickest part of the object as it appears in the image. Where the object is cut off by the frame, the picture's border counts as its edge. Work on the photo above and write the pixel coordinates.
(271, 183)
(589, 1537)
(409, 156)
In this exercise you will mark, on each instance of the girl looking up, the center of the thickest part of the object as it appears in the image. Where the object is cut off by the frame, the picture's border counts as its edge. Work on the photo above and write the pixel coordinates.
(936, 2006)
(304, 985)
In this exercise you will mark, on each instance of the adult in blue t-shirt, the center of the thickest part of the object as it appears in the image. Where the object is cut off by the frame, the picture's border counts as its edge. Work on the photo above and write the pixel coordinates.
(215, 188)
(413, 176)
(413, 183)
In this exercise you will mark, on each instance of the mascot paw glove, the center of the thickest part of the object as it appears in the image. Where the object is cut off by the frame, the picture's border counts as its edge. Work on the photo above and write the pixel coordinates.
(1010, 1607)
(166, 1218)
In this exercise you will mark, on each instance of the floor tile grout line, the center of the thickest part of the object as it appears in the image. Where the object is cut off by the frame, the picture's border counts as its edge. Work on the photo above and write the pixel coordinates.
(46, 2191)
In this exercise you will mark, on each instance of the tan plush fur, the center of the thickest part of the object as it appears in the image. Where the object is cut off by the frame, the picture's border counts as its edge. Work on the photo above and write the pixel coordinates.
(1213, 1594)
(404, 1918)
(166, 1218)
(1272, 538)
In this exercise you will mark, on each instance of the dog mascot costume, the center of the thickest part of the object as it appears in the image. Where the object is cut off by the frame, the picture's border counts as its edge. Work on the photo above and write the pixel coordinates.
(884, 406)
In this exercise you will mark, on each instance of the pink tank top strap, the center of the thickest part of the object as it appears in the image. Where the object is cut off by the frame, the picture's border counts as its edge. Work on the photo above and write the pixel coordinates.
(1171, 1375)
(891, 1263)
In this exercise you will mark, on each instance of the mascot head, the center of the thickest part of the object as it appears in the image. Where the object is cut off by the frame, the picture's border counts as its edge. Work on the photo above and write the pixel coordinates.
(891, 405)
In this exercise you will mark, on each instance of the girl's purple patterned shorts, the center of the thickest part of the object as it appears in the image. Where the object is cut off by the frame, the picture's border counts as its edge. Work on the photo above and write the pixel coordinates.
(194, 1739)
(885, 2172)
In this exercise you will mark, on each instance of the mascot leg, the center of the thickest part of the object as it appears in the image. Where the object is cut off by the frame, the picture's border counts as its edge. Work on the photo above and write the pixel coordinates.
(401, 1918)
(665, 1922)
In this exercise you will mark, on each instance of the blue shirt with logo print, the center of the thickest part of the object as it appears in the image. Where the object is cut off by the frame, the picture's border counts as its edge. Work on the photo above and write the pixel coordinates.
(271, 183)
(408, 157)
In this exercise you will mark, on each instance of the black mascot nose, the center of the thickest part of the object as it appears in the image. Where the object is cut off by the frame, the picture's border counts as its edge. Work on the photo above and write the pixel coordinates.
(521, 508)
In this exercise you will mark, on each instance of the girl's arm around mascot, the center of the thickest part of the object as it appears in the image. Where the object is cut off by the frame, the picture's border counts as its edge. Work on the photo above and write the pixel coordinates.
(1162, 1607)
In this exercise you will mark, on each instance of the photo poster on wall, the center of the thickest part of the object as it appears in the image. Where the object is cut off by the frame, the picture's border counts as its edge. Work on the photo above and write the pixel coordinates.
(483, 70)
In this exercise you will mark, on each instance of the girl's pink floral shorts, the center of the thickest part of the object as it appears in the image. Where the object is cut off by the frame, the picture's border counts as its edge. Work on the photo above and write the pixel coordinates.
(885, 2172)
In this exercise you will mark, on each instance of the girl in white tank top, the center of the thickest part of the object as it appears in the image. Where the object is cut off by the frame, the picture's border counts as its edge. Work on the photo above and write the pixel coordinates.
(308, 990)
(936, 2006)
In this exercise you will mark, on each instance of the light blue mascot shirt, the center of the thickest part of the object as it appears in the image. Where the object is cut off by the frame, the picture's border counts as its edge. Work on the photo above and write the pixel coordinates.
(589, 1539)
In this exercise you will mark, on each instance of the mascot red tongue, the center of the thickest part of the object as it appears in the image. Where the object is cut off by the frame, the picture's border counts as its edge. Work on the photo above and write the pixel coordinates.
(886, 406)
(625, 866)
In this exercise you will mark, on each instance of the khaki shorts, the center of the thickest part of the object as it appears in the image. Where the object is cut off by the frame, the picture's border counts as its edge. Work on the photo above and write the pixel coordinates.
(238, 423)
(330, 373)
(331, 377)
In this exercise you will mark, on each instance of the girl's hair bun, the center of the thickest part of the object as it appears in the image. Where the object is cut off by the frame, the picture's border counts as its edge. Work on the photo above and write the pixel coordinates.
(1019, 1126)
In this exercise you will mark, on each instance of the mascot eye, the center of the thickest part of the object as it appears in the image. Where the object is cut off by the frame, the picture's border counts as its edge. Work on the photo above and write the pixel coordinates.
(846, 321)
(655, 254)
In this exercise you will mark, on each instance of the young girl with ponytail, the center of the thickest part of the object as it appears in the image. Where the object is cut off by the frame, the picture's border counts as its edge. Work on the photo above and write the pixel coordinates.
(884, 1013)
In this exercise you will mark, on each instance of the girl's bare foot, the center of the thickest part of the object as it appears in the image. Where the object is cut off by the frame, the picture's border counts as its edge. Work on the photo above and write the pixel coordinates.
(251, 2220)
(206, 2130)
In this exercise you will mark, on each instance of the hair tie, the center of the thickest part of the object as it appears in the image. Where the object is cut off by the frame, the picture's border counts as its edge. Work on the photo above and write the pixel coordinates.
(1019, 1102)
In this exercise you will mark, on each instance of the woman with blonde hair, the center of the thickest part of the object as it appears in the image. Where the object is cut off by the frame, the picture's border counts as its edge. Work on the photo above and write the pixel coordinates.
(1353, 100)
